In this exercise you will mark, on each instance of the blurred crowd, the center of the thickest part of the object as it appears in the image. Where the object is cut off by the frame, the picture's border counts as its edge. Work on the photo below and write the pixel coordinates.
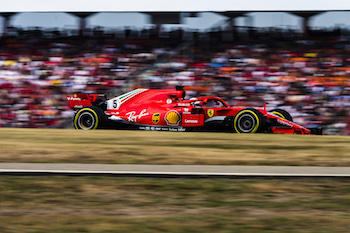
(308, 78)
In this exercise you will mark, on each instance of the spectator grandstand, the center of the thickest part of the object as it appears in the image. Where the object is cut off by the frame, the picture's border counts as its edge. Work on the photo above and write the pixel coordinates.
(309, 77)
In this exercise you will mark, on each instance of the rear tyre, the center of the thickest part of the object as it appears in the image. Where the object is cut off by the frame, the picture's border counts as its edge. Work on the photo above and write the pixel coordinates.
(249, 121)
(282, 113)
(89, 118)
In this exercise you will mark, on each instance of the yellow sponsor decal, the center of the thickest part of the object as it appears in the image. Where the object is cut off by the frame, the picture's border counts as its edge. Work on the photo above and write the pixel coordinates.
(210, 112)
(156, 118)
(172, 118)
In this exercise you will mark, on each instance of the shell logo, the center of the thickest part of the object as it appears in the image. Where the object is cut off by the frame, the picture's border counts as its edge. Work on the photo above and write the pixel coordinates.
(172, 118)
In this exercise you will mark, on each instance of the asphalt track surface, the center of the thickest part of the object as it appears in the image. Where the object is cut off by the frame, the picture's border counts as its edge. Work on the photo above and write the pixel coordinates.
(171, 170)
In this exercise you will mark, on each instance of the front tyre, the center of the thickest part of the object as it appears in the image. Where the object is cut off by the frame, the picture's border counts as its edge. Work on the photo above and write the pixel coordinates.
(89, 118)
(282, 113)
(249, 121)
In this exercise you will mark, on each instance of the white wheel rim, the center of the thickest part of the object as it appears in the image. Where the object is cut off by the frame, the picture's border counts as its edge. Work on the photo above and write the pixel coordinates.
(86, 121)
(246, 123)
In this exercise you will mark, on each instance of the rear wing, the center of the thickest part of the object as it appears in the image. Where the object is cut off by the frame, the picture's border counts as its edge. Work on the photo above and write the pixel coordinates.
(78, 101)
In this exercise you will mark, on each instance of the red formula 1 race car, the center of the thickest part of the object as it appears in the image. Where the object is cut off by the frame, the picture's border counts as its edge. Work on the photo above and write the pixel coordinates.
(166, 110)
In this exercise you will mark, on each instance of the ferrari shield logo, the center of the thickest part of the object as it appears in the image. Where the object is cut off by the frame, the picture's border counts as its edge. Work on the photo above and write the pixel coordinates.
(210, 112)
(156, 118)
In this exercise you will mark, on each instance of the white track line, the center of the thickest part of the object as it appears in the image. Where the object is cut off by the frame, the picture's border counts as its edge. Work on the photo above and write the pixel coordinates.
(168, 173)
(175, 170)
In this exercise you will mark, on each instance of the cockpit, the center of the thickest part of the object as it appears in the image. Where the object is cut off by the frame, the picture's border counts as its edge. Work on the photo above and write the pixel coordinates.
(209, 103)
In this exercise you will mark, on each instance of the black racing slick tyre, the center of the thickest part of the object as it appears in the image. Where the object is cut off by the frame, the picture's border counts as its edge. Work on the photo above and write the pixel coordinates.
(89, 118)
(249, 120)
(282, 113)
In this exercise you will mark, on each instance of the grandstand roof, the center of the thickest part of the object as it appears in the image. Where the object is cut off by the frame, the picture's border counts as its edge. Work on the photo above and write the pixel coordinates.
(171, 5)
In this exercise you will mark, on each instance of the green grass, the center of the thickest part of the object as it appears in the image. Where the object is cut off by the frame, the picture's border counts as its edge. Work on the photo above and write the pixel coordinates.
(40, 204)
(111, 204)
(142, 147)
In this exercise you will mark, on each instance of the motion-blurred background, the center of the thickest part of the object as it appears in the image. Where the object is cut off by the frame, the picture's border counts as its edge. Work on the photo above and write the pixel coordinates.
(295, 60)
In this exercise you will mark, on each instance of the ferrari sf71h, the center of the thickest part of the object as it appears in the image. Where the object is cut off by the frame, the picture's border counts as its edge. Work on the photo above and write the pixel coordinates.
(167, 110)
